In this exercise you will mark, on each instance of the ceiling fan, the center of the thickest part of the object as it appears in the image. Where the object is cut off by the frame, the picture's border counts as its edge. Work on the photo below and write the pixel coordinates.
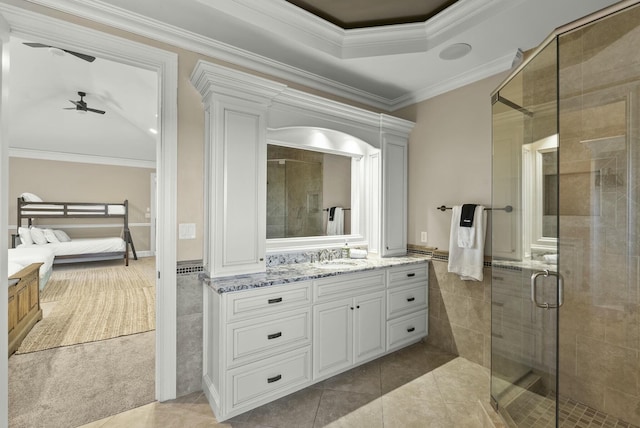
(85, 57)
(81, 105)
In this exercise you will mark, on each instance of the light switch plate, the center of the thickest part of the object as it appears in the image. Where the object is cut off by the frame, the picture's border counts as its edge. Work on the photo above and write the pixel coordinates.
(187, 231)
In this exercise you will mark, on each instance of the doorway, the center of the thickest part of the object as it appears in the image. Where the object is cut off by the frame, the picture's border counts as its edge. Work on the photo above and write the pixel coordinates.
(80, 39)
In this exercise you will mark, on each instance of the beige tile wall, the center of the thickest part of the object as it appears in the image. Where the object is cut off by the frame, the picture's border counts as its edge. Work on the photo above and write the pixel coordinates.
(599, 254)
(460, 314)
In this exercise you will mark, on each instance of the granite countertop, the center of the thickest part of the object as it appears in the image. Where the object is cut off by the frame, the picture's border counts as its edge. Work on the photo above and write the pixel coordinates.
(288, 273)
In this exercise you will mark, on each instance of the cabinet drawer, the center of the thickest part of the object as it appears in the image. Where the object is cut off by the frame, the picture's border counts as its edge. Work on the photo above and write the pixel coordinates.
(252, 339)
(402, 300)
(348, 285)
(404, 275)
(268, 379)
(267, 300)
(406, 329)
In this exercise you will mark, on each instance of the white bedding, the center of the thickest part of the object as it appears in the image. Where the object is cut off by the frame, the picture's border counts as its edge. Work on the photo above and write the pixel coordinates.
(57, 209)
(82, 246)
(24, 255)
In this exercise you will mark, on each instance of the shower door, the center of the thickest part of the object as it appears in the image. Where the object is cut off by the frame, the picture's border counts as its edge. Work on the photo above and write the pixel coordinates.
(526, 288)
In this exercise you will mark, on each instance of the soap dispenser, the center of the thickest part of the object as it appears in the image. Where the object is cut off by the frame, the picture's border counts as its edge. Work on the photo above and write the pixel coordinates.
(345, 251)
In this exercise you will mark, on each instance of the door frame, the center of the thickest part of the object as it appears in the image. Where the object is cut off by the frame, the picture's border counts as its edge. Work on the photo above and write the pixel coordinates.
(31, 25)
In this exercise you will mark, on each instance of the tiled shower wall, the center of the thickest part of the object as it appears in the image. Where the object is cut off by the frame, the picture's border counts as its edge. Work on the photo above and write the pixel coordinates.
(599, 253)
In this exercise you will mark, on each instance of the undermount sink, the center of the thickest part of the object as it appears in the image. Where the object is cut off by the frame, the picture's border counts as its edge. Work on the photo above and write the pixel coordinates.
(338, 264)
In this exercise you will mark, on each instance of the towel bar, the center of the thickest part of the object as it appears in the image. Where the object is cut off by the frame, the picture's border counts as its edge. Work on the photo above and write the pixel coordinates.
(508, 208)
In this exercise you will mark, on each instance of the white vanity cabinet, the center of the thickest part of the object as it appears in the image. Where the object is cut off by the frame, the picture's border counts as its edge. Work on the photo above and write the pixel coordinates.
(348, 321)
(263, 343)
(407, 305)
(257, 346)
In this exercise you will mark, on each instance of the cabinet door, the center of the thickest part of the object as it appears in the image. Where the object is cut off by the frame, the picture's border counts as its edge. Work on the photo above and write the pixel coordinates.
(238, 200)
(369, 326)
(394, 196)
(332, 337)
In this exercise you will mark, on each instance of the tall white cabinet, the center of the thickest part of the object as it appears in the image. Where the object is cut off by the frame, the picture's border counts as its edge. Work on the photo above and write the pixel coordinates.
(236, 150)
(394, 196)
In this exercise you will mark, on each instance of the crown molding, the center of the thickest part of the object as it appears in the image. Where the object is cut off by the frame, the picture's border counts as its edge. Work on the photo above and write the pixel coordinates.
(78, 158)
(491, 68)
(365, 41)
(293, 23)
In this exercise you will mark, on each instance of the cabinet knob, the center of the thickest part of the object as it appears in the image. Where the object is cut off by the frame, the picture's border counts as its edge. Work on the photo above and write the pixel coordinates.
(412, 274)
(276, 300)
(410, 329)
(351, 307)
(358, 307)
(274, 335)
(410, 299)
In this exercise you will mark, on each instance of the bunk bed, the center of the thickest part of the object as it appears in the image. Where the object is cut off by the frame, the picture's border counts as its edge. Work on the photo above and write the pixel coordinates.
(79, 250)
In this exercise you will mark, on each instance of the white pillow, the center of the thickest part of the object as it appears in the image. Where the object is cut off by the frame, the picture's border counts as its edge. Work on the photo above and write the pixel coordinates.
(30, 197)
(62, 236)
(25, 236)
(50, 236)
(38, 236)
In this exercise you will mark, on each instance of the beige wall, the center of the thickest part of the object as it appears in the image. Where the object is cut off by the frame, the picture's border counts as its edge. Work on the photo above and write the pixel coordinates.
(59, 181)
(449, 158)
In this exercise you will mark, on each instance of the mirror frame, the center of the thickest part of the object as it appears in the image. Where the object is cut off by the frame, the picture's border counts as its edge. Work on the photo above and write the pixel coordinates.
(337, 143)
(533, 194)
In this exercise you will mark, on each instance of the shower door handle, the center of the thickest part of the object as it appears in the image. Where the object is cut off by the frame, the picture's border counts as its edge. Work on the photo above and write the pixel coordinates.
(534, 285)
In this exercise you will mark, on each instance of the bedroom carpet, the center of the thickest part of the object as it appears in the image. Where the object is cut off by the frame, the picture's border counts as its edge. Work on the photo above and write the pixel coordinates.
(74, 385)
(96, 302)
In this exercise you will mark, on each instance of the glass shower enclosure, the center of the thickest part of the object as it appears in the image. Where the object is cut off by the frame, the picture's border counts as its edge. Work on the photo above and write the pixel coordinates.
(565, 321)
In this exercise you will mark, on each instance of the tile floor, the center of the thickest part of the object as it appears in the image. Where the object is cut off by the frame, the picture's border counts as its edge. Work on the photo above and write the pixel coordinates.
(419, 386)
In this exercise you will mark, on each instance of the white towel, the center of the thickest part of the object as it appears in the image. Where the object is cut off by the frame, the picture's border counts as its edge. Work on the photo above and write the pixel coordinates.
(335, 226)
(466, 247)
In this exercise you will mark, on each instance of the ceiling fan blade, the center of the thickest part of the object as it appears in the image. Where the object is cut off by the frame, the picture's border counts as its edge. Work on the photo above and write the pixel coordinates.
(85, 57)
(36, 45)
(69, 108)
(94, 110)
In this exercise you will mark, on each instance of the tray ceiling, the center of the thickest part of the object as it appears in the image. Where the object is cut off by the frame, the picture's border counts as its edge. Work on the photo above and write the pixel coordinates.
(349, 14)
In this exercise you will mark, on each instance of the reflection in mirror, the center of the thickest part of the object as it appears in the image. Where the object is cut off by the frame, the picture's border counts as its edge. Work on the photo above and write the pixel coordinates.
(302, 186)
(550, 194)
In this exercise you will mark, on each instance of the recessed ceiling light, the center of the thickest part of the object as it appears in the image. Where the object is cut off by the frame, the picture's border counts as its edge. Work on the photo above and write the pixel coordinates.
(455, 51)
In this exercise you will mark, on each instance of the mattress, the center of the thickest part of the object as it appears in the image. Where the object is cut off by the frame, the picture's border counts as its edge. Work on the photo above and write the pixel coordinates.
(83, 246)
(24, 255)
(58, 209)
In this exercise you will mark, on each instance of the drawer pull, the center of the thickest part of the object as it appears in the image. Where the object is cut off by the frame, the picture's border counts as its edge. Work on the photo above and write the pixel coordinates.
(411, 274)
(276, 300)
(274, 379)
(410, 299)
(274, 335)
(411, 329)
